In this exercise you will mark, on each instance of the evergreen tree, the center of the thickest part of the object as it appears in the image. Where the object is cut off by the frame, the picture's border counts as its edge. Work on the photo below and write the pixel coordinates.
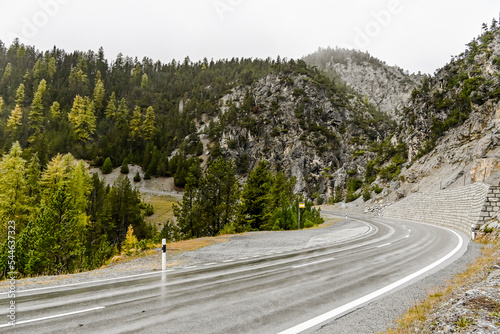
(136, 125)
(82, 118)
(111, 107)
(1, 104)
(148, 128)
(13, 190)
(55, 110)
(20, 95)
(33, 178)
(56, 237)
(36, 114)
(15, 119)
(255, 197)
(188, 212)
(123, 209)
(218, 195)
(98, 96)
(107, 167)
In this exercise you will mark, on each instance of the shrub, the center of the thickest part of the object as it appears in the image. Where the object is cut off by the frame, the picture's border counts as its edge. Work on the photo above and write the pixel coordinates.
(124, 168)
(367, 194)
(149, 210)
(107, 167)
(377, 189)
(137, 177)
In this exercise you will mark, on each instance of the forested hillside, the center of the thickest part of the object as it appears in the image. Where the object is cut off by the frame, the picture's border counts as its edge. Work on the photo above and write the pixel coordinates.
(271, 133)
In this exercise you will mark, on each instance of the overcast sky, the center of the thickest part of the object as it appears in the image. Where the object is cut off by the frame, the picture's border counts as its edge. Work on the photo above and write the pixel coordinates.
(415, 35)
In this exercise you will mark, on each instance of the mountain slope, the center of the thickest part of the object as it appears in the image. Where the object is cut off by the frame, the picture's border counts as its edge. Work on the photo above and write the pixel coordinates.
(387, 87)
(452, 122)
(303, 124)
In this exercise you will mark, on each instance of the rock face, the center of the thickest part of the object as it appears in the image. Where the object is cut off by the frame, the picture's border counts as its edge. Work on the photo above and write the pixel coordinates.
(300, 127)
(387, 87)
(451, 125)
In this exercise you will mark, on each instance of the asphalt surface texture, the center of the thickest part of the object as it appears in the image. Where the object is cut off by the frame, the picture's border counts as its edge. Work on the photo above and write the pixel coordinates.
(352, 277)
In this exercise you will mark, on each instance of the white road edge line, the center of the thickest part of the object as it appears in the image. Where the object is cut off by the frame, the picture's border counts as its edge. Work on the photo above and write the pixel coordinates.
(312, 263)
(360, 301)
(384, 245)
(54, 316)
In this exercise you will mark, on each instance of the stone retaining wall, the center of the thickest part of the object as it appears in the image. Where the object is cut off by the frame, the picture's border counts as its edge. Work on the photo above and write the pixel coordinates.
(461, 208)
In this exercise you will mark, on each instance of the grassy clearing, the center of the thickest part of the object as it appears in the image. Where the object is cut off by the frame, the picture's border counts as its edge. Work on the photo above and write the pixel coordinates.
(476, 272)
(328, 222)
(163, 209)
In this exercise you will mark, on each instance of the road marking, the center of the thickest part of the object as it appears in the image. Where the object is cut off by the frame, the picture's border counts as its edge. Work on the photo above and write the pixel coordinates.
(210, 264)
(226, 261)
(360, 301)
(312, 263)
(384, 245)
(54, 316)
(191, 267)
(244, 258)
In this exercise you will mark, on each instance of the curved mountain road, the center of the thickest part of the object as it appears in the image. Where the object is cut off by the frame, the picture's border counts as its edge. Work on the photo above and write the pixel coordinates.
(289, 292)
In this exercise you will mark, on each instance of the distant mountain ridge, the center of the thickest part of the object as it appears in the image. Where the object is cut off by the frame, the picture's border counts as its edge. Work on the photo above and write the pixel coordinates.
(387, 87)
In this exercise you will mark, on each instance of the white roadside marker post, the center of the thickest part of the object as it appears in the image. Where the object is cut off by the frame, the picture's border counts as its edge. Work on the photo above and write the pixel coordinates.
(164, 254)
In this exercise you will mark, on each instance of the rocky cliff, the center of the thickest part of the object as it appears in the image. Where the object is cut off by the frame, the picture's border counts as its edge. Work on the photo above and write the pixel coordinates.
(303, 124)
(387, 87)
(451, 125)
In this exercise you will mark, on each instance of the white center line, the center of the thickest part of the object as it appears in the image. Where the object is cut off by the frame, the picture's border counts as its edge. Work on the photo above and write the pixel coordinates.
(54, 316)
(210, 264)
(312, 263)
(384, 245)
(226, 261)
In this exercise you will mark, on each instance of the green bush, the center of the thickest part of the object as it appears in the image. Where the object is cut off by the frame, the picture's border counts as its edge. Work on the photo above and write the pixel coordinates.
(377, 189)
(137, 177)
(124, 168)
(367, 194)
(107, 167)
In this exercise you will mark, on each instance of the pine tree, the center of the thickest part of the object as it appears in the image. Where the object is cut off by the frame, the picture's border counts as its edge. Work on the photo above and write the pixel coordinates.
(13, 190)
(107, 167)
(111, 107)
(144, 81)
(15, 119)
(188, 213)
(33, 178)
(58, 246)
(136, 124)
(59, 170)
(1, 104)
(20, 95)
(35, 116)
(218, 195)
(98, 96)
(55, 110)
(255, 197)
(82, 118)
(148, 127)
